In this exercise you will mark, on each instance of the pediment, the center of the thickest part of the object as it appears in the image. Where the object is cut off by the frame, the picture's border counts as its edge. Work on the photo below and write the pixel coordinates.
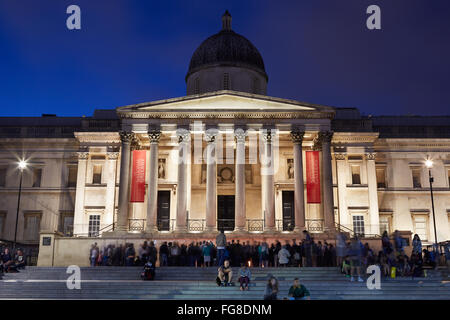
(220, 102)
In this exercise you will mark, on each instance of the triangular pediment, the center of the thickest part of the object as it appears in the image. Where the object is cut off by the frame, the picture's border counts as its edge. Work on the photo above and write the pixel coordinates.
(222, 101)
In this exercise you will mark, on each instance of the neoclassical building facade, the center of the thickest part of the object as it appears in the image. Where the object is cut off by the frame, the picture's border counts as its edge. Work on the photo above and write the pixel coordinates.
(225, 156)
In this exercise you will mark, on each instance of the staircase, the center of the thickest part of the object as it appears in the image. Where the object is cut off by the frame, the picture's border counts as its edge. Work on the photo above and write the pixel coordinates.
(198, 283)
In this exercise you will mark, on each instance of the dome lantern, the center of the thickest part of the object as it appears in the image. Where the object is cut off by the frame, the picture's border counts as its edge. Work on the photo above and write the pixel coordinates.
(226, 21)
(226, 61)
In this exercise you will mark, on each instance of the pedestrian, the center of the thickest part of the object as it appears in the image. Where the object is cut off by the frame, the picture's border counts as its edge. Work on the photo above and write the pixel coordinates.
(417, 245)
(207, 255)
(221, 242)
(355, 258)
(283, 256)
(271, 291)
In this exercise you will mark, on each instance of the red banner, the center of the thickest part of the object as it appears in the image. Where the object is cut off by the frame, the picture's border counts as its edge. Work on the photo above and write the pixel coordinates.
(312, 177)
(138, 176)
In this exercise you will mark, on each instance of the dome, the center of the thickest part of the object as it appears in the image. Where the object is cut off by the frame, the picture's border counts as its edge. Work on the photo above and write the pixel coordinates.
(227, 48)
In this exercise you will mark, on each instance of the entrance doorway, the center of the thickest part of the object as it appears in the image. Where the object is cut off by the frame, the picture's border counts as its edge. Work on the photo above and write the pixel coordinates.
(288, 211)
(225, 213)
(163, 211)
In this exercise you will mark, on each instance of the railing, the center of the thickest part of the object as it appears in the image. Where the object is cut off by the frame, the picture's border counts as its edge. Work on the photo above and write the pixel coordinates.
(366, 231)
(166, 224)
(95, 233)
(225, 224)
(255, 225)
(314, 225)
(196, 225)
(136, 225)
(285, 224)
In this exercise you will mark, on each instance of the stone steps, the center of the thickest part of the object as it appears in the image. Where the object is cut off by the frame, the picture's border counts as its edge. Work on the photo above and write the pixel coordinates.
(187, 283)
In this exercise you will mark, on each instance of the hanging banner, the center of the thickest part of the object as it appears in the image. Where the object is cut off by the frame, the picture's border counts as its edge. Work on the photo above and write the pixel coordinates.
(138, 176)
(312, 177)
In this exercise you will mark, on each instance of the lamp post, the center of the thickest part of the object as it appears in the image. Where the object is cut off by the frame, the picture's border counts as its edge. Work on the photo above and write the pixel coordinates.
(22, 166)
(429, 165)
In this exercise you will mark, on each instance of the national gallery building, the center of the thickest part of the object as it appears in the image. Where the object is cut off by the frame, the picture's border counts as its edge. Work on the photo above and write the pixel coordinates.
(225, 156)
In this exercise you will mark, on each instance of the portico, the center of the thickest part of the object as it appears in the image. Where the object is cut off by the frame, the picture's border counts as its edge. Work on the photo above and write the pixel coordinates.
(226, 143)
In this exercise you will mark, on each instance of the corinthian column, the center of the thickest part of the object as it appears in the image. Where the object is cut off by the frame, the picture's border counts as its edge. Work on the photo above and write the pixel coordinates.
(211, 179)
(152, 200)
(299, 193)
(184, 154)
(267, 180)
(239, 135)
(124, 184)
(324, 140)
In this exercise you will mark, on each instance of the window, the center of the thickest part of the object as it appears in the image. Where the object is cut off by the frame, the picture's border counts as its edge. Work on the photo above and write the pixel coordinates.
(356, 174)
(381, 178)
(66, 223)
(32, 226)
(226, 81)
(358, 225)
(421, 226)
(2, 223)
(2, 177)
(37, 175)
(94, 225)
(416, 178)
(72, 177)
(97, 177)
(385, 224)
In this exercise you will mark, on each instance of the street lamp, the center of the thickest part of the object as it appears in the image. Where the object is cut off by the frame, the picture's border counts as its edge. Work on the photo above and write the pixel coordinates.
(22, 166)
(429, 165)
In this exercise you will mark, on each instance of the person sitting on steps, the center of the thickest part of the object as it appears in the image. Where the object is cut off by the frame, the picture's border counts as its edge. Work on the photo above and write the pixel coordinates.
(225, 275)
(244, 276)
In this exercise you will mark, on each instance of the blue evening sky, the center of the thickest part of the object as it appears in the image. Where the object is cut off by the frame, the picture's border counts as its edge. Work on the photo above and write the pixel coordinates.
(132, 51)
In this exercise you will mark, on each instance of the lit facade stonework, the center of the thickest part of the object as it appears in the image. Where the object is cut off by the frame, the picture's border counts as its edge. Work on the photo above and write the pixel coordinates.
(243, 168)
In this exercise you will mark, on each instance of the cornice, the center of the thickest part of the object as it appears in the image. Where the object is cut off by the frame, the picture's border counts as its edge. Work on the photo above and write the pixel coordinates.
(195, 114)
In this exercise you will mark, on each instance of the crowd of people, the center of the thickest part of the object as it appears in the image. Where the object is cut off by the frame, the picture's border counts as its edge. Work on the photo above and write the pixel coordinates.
(307, 253)
(354, 257)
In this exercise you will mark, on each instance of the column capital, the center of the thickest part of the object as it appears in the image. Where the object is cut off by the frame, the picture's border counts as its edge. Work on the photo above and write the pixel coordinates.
(267, 135)
(112, 155)
(154, 135)
(239, 135)
(322, 137)
(371, 155)
(83, 155)
(126, 136)
(211, 135)
(297, 136)
(340, 155)
(184, 136)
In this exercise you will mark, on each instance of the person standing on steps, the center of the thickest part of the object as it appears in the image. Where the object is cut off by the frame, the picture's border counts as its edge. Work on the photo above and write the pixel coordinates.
(221, 242)
(356, 249)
